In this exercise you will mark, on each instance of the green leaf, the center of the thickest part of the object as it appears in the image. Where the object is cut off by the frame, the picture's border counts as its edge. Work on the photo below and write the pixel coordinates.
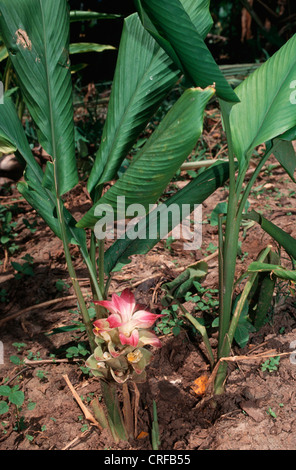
(221, 208)
(137, 91)
(282, 237)
(285, 154)
(182, 284)
(136, 96)
(36, 34)
(244, 326)
(162, 155)
(16, 397)
(5, 390)
(179, 36)
(277, 270)
(195, 192)
(265, 110)
(4, 407)
(82, 47)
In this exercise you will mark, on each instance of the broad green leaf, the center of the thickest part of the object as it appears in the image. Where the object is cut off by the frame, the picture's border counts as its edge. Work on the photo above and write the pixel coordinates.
(143, 77)
(162, 155)
(199, 13)
(82, 47)
(36, 34)
(289, 135)
(195, 192)
(178, 35)
(266, 109)
(282, 237)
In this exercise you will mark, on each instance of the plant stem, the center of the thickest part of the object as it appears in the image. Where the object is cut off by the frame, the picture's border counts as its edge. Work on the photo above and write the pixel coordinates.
(92, 254)
(83, 308)
(234, 216)
(243, 298)
(231, 238)
(101, 265)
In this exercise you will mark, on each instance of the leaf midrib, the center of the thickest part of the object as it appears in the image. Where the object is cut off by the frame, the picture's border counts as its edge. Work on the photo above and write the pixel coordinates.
(49, 92)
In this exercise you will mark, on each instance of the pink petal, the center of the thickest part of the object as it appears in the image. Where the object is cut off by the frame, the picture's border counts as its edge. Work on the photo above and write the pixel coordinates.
(145, 319)
(114, 320)
(133, 339)
(147, 337)
(107, 304)
(125, 304)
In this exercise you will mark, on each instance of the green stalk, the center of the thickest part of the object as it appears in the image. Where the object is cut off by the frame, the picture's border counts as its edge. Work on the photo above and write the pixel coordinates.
(228, 339)
(83, 308)
(101, 265)
(93, 275)
(231, 238)
(228, 326)
(92, 254)
(242, 300)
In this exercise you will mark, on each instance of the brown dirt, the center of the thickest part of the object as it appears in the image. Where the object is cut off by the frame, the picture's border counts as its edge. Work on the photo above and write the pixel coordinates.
(258, 409)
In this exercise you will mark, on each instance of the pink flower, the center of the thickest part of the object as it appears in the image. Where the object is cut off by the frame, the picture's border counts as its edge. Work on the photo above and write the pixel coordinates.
(129, 319)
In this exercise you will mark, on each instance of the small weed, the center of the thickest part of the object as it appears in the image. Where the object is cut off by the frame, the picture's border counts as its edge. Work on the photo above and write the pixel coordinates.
(61, 285)
(42, 375)
(170, 323)
(13, 395)
(76, 351)
(24, 269)
(31, 225)
(271, 364)
(19, 346)
(271, 413)
(7, 229)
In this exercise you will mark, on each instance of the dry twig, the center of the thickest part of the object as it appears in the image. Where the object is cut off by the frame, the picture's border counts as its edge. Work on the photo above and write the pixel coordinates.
(85, 410)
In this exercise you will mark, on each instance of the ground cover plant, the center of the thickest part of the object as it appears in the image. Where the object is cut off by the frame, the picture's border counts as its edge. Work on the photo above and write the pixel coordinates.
(167, 39)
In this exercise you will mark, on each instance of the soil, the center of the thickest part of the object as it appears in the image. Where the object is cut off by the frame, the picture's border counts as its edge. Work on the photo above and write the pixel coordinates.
(257, 410)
